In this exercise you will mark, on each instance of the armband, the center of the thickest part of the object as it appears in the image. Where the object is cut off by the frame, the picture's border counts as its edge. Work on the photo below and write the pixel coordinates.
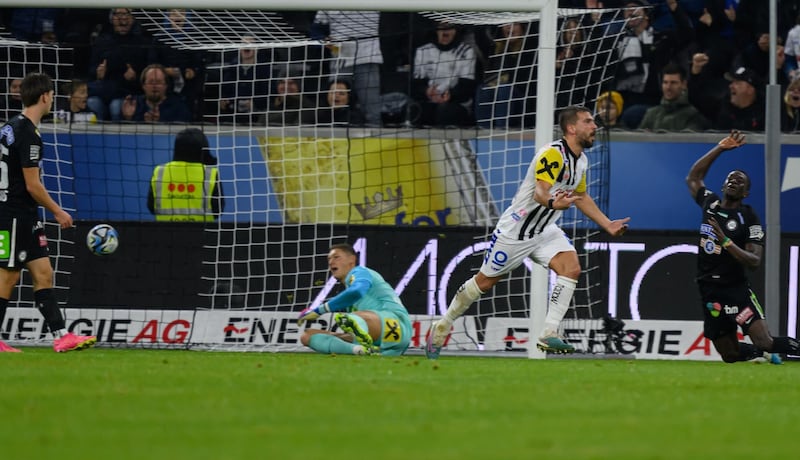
(726, 242)
(550, 203)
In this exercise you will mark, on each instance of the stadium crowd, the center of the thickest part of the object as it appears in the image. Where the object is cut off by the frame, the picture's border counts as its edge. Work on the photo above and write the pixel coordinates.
(681, 65)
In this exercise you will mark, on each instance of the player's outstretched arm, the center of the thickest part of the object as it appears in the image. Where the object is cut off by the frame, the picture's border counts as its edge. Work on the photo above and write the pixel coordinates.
(589, 208)
(698, 171)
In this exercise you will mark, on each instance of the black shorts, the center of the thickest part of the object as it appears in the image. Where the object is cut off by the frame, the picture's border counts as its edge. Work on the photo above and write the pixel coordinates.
(726, 307)
(22, 239)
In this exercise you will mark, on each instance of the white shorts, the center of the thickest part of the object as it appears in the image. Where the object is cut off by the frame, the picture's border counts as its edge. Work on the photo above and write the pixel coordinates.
(505, 253)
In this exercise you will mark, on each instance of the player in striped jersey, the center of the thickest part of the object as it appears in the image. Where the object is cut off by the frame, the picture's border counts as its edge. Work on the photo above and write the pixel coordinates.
(556, 179)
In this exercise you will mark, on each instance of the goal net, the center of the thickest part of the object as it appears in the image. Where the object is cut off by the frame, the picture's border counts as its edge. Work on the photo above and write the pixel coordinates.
(322, 136)
(18, 58)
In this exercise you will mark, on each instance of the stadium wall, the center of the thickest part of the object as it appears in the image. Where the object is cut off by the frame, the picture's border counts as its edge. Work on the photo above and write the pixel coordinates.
(112, 173)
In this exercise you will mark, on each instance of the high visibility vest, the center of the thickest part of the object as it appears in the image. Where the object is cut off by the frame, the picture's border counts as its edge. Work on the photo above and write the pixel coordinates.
(182, 191)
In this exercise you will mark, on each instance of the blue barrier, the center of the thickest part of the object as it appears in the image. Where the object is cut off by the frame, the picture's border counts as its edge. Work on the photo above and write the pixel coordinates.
(112, 173)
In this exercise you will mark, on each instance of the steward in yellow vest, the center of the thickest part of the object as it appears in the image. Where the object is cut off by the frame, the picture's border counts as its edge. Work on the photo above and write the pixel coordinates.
(187, 189)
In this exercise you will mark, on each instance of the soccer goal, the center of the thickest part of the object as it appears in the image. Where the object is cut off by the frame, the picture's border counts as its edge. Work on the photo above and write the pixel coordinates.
(418, 201)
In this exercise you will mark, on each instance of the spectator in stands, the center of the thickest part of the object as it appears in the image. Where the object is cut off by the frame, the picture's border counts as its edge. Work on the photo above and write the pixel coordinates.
(35, 25)
(340, 108)
(289, 106)
(706, 89)
(78, 30)
(444, 79)
(185, 67)
(719, 37)
(643, 53)
(117, 59)
(508, 87)
(12, 100)
(357, 53)
(244, 85)
(599, 24)
(188, 188)
(75, 109)
(573, 69)
(755, 56)
(790, 115)
(792, 51)
(157, 104)
(744, 108)
(608, 108)
(675, 113)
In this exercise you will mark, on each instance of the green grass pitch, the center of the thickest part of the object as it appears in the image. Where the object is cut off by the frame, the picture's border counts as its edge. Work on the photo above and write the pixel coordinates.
(135, 404)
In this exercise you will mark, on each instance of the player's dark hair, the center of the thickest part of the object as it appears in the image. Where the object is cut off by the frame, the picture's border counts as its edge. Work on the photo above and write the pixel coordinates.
(191, 145)
(569, 116)
(346, 247)
(34, 85)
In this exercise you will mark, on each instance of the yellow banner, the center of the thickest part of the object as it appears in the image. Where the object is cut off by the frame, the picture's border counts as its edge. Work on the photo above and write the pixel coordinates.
(367, 180)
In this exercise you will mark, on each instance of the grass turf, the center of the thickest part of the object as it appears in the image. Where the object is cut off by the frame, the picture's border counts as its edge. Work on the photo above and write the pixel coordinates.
(132, 404)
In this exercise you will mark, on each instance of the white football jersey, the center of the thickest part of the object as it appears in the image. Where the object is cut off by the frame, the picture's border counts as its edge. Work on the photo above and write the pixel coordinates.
(555, 164)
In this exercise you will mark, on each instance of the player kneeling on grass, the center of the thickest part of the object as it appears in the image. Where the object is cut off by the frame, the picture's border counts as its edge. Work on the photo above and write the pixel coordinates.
(731, 239)
(380, 322)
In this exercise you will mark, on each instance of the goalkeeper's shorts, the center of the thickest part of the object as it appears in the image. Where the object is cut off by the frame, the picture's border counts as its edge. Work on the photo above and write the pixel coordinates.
(396, 333)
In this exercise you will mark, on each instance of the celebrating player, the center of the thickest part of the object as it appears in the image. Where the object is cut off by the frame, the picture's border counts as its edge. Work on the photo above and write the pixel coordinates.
(731, 239)
(22, 236)
(380, 322)
(556, 179)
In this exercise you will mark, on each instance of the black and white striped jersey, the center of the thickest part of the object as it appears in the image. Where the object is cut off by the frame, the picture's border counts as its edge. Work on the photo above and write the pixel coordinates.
(557, 165)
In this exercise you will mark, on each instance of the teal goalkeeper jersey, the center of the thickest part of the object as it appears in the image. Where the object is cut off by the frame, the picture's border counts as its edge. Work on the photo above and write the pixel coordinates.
(367, 290)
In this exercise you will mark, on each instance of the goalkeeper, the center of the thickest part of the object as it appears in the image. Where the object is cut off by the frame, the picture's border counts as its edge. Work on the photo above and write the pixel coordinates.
(369, 312)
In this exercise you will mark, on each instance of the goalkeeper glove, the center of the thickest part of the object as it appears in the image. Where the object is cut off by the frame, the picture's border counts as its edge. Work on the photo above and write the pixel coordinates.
(310, 314)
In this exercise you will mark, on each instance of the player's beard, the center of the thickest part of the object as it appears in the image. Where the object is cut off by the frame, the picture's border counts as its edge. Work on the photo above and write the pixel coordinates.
(587, 142)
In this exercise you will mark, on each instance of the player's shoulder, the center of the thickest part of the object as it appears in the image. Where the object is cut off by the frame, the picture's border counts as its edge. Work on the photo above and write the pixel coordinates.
(708, 197)
(359, 271)
(16, 128)
(555, 148)
(748, 211)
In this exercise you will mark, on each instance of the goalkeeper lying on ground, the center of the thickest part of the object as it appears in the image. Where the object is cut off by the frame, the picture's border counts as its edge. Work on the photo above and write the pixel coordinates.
(379, 322)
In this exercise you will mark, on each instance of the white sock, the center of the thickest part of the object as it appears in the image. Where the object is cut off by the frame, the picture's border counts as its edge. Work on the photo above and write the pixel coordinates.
(560, 299)
(466, 295)
(59, 333)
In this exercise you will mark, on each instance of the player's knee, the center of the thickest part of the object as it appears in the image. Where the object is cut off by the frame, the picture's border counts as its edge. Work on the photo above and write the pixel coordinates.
(730, 358)
(762, 342)
(571, 272)
(305, 339)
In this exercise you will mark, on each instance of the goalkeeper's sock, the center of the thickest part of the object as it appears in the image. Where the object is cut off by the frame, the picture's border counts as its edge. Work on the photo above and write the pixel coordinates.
(560, 299)
(326, 343)
(785, 345)
(466, 295)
